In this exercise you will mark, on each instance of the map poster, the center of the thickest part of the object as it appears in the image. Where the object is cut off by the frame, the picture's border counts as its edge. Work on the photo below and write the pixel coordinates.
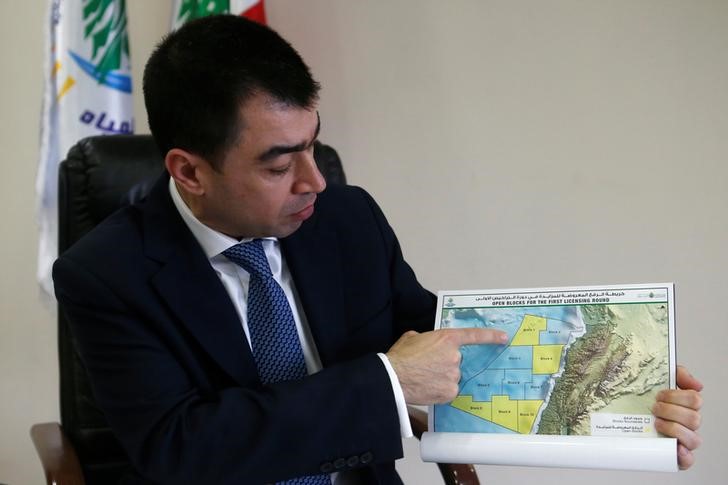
(580, 371)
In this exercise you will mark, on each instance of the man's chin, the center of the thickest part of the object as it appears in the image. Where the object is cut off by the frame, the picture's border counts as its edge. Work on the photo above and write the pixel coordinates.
(288, 229)
(285, 226)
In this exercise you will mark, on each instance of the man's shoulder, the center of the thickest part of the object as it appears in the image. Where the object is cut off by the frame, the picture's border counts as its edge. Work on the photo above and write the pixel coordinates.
(346, 202)
(337, 193)
(349, 213)
(115, 236)
(124, 232)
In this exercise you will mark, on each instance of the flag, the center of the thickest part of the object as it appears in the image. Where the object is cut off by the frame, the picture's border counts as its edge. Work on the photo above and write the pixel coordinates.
(186, 10)
(252, 9)
(87, 92)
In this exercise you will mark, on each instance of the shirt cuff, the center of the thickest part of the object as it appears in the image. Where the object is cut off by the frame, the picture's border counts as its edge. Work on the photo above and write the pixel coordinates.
(404, 423)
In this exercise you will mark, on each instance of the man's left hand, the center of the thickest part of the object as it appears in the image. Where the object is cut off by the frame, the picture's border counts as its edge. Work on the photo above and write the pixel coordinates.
(677, 413)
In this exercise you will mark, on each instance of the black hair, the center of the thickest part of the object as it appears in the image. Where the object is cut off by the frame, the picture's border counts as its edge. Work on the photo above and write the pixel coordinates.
(199, 77)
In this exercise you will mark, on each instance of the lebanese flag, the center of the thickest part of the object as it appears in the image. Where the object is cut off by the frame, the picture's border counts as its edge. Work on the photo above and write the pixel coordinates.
(252, 9)
(186, 10)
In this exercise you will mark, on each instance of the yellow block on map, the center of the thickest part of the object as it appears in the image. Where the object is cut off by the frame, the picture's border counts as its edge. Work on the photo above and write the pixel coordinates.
(527, 412)
(505, 412)
(481, 409)
(516, 415)
(529, 331)
(546, 358)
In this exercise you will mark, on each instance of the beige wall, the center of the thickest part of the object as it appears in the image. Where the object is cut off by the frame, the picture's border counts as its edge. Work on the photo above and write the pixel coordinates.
(511, 144)
(28, 369)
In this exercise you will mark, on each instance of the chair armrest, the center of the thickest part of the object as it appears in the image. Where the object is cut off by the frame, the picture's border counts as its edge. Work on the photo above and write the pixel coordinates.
(453, 474)
(57, 455)
(62, 467)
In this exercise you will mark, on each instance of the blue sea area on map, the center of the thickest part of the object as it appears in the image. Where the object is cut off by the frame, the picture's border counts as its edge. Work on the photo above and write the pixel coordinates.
(514, 358)
(479, 355)
(484, 386)
(515, 382)
(476, 358)
(490, 370)
(538, 387)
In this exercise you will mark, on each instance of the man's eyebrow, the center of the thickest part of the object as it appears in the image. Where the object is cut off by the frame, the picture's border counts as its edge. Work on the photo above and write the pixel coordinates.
(278, 150)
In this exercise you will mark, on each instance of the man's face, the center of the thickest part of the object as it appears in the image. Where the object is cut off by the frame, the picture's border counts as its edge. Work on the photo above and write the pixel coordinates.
(267, 183)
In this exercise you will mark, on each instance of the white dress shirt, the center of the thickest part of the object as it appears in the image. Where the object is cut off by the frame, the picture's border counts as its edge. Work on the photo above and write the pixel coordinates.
(236, 282)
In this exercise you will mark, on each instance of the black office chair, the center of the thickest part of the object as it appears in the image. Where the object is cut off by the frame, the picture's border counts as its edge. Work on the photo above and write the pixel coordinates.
(100, 175)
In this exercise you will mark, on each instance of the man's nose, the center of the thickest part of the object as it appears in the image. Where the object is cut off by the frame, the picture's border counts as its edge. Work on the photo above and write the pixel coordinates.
(308, 177)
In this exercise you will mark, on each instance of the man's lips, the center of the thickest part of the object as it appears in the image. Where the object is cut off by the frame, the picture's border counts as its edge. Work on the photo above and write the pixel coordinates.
(304, 213)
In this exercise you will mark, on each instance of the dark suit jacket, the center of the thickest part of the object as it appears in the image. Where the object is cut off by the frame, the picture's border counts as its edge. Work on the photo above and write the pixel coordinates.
(172, 370)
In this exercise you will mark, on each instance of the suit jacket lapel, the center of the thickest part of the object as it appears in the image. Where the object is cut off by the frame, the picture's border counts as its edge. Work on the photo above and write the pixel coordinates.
(192, 290)
(312, 255)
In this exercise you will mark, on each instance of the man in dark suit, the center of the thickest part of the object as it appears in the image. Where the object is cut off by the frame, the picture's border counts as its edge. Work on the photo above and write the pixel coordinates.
(165, 316)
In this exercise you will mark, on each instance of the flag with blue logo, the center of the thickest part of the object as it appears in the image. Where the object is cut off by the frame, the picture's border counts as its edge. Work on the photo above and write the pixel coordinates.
(87, 92)
(186, 10)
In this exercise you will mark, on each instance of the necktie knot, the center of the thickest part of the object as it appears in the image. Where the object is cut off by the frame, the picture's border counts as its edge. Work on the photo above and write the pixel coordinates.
(251, 257)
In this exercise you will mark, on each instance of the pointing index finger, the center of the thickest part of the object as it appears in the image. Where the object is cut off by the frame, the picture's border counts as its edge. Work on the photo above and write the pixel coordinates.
(471, 336)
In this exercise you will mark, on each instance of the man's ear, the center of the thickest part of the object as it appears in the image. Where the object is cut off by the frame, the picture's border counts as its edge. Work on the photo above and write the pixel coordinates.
(185, 168)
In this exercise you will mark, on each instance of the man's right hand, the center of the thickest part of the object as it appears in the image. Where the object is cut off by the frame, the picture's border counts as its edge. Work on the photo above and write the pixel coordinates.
(428, 364)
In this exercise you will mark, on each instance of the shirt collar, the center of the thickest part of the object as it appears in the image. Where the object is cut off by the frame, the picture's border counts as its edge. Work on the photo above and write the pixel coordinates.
(211, 241)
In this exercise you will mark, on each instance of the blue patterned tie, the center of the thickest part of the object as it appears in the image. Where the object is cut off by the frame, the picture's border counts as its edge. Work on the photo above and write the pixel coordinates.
(273, 337)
